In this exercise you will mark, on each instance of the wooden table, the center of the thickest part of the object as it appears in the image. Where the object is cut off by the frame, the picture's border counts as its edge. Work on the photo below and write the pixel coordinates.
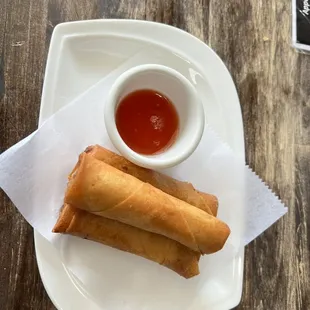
(253, 38)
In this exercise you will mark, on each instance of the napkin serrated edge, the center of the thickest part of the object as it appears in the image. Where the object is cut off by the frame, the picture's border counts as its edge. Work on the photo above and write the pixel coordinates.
(228, 147)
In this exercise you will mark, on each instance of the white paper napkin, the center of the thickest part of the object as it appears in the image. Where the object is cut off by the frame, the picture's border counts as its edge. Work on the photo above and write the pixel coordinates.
(34, 173)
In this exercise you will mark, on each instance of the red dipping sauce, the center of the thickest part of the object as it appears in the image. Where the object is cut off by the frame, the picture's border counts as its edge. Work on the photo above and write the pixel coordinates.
(147, 121)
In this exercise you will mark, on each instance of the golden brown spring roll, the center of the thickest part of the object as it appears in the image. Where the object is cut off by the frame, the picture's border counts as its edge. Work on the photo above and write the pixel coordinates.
(211, 200)
(106, 191)
(181, 190)
(154, 247)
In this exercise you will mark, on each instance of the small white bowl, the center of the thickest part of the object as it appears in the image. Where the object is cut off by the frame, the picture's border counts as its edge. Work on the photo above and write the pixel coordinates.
(182, 94)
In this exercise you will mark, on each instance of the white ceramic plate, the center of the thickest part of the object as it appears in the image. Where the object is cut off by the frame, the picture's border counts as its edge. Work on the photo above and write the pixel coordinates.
(81, 53)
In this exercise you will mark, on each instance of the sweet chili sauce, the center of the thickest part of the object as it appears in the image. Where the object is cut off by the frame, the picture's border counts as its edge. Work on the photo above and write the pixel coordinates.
(147, 121)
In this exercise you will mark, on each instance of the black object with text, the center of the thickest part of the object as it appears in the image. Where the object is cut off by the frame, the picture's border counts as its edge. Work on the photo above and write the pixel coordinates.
(301, 24)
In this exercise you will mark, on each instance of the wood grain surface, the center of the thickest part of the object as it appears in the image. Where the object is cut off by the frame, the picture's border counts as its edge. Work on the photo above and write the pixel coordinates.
(254, 40)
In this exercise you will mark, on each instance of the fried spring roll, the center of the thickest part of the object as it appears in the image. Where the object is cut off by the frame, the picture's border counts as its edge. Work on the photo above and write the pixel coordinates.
(154, 247)
(181, 190)
(106, 191)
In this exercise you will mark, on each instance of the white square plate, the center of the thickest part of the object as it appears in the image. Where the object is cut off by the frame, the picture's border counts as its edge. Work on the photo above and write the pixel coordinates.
(81, 53)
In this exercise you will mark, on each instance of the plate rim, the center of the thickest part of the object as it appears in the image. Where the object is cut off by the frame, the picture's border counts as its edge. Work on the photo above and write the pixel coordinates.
(68, 28)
